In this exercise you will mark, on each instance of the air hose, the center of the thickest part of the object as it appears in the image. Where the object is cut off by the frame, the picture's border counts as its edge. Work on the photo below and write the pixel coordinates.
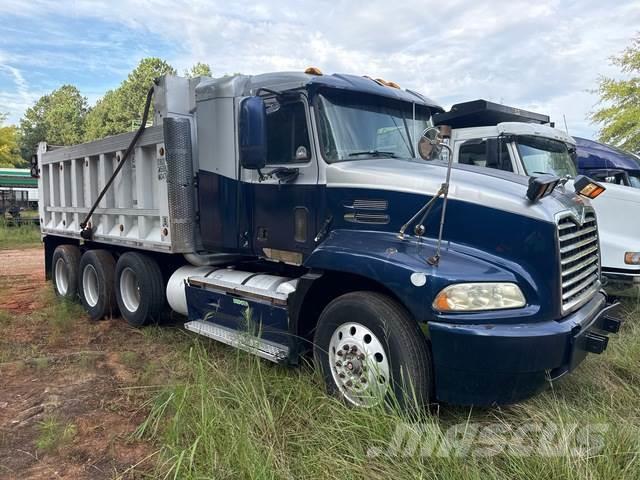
(87, 233)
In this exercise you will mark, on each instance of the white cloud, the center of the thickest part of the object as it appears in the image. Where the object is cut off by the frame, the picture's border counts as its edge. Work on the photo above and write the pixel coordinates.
(542, 55)
(20, 97)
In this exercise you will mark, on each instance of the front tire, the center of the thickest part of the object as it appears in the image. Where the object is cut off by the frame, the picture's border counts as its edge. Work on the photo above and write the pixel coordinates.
(369, 349)
(139, 289)
(65, 270)
(95, 284)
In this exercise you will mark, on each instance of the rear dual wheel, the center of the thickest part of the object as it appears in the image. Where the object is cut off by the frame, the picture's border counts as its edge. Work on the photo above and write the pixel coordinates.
(65, 265)
(132, 286)
(139, 289)
(95, 286)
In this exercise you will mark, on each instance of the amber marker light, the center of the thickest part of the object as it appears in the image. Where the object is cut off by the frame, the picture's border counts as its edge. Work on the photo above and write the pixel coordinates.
(586, 187)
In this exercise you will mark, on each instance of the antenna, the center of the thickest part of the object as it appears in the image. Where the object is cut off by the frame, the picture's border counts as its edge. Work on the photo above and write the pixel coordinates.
(564, 117)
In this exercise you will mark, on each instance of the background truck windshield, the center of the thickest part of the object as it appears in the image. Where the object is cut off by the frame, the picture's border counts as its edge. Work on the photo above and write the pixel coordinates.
(368, 126)
(544, 155)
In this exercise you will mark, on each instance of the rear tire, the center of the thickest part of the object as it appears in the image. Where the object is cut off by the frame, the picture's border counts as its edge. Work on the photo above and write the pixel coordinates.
(139, 289)
(65, 270)
(95, 284)
(391, 356)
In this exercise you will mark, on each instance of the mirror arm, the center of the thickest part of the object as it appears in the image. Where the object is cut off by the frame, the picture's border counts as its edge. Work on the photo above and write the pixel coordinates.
(445, 186)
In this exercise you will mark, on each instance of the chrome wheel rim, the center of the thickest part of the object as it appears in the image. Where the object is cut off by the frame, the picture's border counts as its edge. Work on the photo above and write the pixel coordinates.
(359, 364)
(61, 273)
(130, 289)
(90, 285)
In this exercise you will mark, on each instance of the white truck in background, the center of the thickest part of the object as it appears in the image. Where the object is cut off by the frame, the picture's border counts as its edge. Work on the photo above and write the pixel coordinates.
(508, 139)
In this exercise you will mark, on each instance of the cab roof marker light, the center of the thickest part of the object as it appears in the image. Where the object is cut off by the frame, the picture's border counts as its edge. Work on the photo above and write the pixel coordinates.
(541, 186)
(313, 71)
(586, 187)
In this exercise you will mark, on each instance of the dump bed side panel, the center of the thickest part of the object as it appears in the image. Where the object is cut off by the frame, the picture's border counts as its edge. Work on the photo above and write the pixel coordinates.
(150, 204)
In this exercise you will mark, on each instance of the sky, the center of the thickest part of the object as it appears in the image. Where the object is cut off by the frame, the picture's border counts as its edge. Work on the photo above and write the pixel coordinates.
(544, 55)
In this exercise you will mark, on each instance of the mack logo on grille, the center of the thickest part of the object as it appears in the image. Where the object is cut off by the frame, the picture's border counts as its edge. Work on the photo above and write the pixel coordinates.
(578, 215)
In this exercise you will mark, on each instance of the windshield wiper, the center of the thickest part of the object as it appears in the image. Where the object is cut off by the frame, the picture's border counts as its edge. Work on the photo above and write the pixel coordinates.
(374, 153)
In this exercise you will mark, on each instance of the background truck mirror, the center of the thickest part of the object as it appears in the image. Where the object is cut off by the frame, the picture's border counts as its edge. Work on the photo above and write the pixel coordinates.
(253, 133)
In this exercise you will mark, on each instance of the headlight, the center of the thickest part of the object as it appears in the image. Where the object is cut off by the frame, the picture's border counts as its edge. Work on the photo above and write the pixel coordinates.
(469, 297)
(632, 258)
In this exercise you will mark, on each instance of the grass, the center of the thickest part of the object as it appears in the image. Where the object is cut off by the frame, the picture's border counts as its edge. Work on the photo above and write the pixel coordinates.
(22, 236)
(229, 415)
(53, 434)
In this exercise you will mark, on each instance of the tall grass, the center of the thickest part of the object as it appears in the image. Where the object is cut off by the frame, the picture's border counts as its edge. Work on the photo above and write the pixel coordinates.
(234, 416)
(27, 235)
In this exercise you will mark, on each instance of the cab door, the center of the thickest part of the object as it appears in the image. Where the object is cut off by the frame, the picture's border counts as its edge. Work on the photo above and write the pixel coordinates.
(285, 194)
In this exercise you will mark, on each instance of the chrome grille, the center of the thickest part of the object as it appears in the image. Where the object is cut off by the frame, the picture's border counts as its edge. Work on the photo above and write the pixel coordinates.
(579, 258)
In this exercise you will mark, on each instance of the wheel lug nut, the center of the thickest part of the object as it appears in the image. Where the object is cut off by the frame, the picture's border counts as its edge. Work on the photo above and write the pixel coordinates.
(349, 383)
(338, 363)
(361, 356)
(346, 347)
(341, 375)
(354, 349)
(363, 380)
(340, 353)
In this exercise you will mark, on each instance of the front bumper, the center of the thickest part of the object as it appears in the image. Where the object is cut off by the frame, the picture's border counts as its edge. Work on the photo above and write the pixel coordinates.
(490, 364)
(621, 284)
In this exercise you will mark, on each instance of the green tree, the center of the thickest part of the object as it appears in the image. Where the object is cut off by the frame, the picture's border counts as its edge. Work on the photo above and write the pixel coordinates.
(9, 149)
(620, 113)
(57, 118)
(198, 70)
(120, 109)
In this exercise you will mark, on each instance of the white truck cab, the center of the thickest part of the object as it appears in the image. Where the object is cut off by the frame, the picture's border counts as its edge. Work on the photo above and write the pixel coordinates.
(533, 146)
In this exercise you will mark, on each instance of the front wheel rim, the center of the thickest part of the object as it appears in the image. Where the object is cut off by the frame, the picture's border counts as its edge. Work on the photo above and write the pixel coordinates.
(61, 273)
(359, 364)
(90, 285)
(130, 289)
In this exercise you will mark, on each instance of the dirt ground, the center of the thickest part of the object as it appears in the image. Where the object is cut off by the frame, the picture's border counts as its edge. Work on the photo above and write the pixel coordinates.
(70, 396)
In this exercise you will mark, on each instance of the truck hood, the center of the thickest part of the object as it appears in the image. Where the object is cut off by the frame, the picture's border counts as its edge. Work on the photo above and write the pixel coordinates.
(495, 189)
(620, 193)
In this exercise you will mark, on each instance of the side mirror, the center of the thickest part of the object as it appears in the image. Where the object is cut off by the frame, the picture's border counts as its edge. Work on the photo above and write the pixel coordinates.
(432, 142)
(253, 133)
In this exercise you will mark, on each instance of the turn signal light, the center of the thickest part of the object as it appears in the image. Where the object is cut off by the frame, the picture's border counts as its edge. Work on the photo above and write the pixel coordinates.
(586, 187)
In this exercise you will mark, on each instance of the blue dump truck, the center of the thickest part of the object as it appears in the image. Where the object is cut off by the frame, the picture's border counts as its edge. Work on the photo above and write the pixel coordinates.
(606, 163)
(289, 214)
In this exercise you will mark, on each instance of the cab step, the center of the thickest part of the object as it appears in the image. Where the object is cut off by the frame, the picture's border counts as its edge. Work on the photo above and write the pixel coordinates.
(271, 351)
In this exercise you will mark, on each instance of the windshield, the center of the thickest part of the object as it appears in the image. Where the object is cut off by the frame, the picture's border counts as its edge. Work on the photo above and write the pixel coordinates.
(353, 127)
(544, 155)
(634, 179)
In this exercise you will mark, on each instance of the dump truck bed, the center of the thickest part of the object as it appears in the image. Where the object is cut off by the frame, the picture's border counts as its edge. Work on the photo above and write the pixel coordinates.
(151, 203)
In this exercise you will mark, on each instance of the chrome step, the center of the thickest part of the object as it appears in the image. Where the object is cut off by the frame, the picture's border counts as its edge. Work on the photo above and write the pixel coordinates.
(271, 351)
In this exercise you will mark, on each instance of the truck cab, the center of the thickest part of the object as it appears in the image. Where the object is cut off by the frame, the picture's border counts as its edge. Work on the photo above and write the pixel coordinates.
(506, 139)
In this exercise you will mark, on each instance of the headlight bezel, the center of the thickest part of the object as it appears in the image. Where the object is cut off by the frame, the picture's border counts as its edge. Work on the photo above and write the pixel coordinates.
(455, 292)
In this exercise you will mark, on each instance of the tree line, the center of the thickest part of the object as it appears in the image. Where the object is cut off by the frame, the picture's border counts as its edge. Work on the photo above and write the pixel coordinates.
(63, 117)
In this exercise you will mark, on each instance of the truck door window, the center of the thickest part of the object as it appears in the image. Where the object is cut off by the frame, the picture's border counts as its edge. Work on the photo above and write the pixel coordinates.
(477, 153)
(286, 133)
